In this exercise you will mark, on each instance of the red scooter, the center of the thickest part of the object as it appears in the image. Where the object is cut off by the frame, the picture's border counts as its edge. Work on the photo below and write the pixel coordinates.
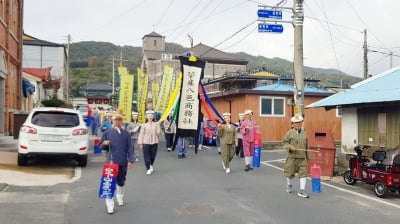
(384, 177)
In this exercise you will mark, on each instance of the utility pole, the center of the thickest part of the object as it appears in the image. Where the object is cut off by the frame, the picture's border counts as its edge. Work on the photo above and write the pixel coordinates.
(298, 57)
(365, 55)
(67, 81)
(113, 70)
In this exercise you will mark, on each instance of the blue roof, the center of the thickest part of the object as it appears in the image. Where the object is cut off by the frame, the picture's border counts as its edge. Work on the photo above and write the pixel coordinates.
(383, 87)
(284, 87)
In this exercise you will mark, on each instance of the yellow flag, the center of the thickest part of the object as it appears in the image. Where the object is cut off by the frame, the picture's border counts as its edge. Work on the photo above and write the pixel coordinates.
(125, 94)
(172, 100)
(165, 90)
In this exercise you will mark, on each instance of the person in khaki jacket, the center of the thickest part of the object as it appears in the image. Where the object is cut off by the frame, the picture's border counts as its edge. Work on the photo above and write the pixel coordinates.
(295, 141)
(227, 134)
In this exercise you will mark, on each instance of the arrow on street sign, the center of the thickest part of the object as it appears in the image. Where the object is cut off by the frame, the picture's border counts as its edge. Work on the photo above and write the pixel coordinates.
(269, 14)
(270, 28)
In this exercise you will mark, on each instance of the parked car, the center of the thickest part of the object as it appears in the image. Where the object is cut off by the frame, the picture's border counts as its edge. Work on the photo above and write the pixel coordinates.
(55, 132)
(210, 133)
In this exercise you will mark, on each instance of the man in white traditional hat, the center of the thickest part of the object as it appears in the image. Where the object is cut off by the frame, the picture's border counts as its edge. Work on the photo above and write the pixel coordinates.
(248, 128)
(117, 143)
(148, 140)
(295, 141)
(227, 134)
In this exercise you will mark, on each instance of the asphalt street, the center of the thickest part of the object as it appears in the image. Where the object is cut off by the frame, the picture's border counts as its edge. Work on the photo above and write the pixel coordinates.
(196, 190)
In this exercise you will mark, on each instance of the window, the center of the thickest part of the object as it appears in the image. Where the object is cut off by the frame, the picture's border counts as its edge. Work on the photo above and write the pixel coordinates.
(272, 106)
(3, 63)
(14, 18)
(338, 111)
(155, 43)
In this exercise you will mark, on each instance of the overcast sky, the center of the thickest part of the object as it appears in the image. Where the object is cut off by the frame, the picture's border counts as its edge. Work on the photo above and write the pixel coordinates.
(333, 29)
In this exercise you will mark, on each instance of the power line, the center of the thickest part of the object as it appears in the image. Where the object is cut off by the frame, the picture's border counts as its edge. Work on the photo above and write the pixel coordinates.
(231, 36)
(115, 18)
(330, 34)
(251, 31)
(184, 19)
(359, 17)
(165, 12)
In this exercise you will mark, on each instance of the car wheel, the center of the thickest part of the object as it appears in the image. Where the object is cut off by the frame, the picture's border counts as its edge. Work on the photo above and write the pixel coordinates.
(348, 178)
(380, 189)
(82, 161)
(22, 160)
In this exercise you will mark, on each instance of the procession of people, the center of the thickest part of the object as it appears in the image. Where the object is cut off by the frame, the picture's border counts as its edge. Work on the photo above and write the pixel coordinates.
(126, 143)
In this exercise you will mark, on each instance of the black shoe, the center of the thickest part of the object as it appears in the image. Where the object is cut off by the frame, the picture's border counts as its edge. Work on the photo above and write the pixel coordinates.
(219, 153)
(247, 168)
(183, 156)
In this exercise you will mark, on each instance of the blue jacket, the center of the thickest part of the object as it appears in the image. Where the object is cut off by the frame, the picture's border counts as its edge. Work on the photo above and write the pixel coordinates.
(120, 149)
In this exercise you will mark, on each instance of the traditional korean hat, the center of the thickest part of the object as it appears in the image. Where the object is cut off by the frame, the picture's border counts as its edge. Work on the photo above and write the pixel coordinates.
(249, 112)
(226, 114)
(149, 113)
(297, 118)
(119, 114)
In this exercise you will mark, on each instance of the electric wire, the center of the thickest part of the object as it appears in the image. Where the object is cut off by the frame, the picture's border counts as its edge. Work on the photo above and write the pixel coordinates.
(359, 17)
(330, 34)
(231, 36)
(234, 44)
(200, 12)
(113, 19)
(184, 19)
(163, 15)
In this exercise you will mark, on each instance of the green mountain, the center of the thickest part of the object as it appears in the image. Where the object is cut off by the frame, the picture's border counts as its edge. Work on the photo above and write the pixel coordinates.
(92, 61)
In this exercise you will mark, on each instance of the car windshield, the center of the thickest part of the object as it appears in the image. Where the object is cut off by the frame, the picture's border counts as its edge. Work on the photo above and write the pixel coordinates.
(55, 119)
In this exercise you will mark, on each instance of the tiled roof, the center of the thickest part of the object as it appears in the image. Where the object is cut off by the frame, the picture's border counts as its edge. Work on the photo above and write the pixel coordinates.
(284, 88)
(98, 86)
(29, 40)
(42, 73)
(152, 34)
(383, 87)
(210, 54)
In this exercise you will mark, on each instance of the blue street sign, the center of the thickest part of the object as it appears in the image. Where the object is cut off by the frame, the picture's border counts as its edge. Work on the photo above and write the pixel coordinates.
(269, 14)
(270, 28)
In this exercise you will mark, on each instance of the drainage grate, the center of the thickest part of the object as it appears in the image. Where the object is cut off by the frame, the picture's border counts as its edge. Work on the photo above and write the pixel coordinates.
(197, 210)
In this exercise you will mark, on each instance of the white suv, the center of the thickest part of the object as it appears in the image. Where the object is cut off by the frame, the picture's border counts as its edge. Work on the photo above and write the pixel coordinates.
(50, 131)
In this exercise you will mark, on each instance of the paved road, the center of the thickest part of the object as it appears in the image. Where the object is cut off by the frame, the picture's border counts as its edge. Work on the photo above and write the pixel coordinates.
(196, 190)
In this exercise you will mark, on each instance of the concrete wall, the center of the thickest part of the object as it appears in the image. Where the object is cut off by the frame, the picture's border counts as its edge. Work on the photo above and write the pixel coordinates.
(349, 130)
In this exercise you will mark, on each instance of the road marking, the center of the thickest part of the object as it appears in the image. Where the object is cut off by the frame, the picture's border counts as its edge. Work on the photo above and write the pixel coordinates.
(342, 189)
(275, 160)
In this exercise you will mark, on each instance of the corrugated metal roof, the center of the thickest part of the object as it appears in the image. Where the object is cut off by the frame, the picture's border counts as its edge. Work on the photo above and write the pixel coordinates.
(383, 87)
(284, 87)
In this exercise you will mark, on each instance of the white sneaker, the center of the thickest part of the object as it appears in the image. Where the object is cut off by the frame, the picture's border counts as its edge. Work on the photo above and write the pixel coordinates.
(110, 211)
(169, 149)
(148, 172)
(228, 170)
(223, 165)
(151, 168)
